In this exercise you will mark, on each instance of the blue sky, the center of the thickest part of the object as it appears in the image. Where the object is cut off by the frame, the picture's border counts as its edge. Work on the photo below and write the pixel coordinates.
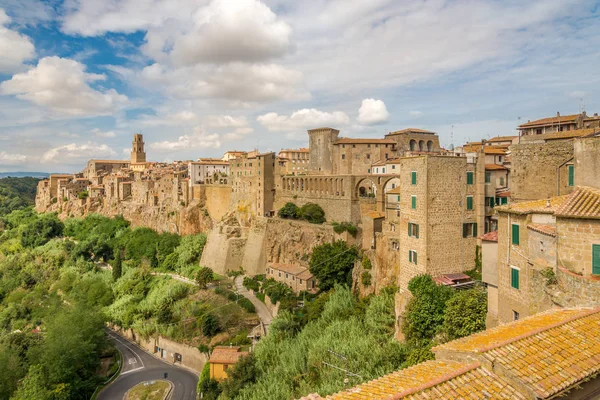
(196, 77)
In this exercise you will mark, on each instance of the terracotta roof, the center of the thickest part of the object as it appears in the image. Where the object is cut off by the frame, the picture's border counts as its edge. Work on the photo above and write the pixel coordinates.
(289, 268)
(502, 138)
(583, 202)
(111, 161)
(494, 150)
(433, 380)
(306, 275)
(550, 121)
(226, 355)
(548, 352)
(490, 236)
(494, 167)
(503, 194)
(534, 206)
(300, 150)
(561, 135)
(411, 130)
(363, 141)
(215, 162)
(549, 230)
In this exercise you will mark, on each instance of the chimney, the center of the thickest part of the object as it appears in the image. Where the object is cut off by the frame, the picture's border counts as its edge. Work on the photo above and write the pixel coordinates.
(558, 114)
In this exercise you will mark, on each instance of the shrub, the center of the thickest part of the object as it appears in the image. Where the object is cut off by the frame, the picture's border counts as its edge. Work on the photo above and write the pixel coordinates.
(366, 263)
(345, 227)
(246, 305)
(204, 276)
(332, 263)
(251, 284)
(550, 276)
(312, 213)
(289, 211)
(83, 195)
(210, 325)
(365, 278)
(276, 290)
(465, 313)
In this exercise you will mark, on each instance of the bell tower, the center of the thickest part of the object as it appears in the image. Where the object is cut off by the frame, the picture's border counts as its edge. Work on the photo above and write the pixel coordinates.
(138, 155)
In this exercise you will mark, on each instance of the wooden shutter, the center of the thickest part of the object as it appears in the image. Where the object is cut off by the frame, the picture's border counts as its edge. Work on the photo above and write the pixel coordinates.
(415, 257)
(469, 178)
(414, 202)
(410, 255)
(414, 177)
(514, 278)
(596, 259)
(465, 230)
(469, 202)
(491, 202)
(409, 230)
(515, 234)
(571, 175)
(417, 233)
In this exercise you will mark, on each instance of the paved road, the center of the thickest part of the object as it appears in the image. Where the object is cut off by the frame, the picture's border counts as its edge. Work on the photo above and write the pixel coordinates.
(139, 366)
(261, 309)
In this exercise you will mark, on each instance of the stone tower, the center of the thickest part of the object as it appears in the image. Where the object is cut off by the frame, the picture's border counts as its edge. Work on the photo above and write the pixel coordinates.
(138, 155)
(321, 150)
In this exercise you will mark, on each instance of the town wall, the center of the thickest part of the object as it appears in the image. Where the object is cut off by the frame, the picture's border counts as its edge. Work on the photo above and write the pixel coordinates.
(534, 169)
(587, 162)
(218, 198)
(254, 260)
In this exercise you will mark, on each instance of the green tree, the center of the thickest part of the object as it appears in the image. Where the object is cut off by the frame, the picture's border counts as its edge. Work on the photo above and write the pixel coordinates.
(465, 313)
(117, 267)
(243, 373)
(210, 325)
(33, 386)
(41, 230)
(313, 213)
(204, 276)
(289, 210)
(332, 263)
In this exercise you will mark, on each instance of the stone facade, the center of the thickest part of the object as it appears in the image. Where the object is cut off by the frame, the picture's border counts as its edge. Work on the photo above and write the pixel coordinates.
(295, 161)
(253, 184)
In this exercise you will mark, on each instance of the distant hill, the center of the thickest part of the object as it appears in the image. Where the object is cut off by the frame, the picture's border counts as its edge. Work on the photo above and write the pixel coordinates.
(17, 193)
(20, 174)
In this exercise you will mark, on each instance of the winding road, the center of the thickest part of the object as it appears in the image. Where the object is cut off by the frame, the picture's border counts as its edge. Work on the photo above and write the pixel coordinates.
(261, 309)
(139, 366)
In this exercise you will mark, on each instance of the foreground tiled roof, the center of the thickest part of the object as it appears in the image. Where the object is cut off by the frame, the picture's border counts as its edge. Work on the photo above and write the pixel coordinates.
(550, 121)
(561, 135)
(494, 167)
(494, 150)
(583, 202)
(543, 206)
(226, 355)
(490, 236)
(549, 230)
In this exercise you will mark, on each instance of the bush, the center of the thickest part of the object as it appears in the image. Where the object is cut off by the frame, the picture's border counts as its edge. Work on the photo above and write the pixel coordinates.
(332, 263)
(289, 211)
(365, 278)
(210, 325)
(246, 305)
(366, 263)
(312, 213)
(550, 276)
(345, 227)
(83, 195)
(204, 276)
(276, 290)
(251, 284)
(465, 313)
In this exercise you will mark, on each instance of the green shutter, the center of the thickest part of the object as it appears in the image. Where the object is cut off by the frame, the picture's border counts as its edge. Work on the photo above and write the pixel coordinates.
(469, 178)
(413, 202)
(514, 278)
(515, 234)
(410, 255)
(415, 257)
(469, 202)
(414, 177)
(596, 259)
(571, 175)
(491, 202)
(417, 233)
(488, 177)
(504, 200)
(409, 224)
(465, 230)
(474, 226)
(398, 198)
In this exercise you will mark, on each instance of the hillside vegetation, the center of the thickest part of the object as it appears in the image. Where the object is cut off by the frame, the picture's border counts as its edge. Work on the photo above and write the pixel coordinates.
(17, 193)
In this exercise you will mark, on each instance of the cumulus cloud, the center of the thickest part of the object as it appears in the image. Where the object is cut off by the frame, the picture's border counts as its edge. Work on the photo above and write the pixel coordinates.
(98, 133)
(14, 47)
(11, 159)
(302, 119)
(226, 121)
(237, 134)
(62, 85)
(198, 140)
(77, 153)
(373, 112)
(235, 81)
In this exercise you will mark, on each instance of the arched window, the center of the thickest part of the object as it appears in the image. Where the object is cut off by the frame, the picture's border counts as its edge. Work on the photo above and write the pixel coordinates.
(413, 145)
(429, 145)
(421, 145)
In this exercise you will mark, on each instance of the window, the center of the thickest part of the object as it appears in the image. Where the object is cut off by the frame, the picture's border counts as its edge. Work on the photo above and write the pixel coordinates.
(469, 229)
(286, 276)
(413, 202)
(225, 367)
(488, 177)
(501, 181)
(413, 230)
(369, 146)
(413, 177)
(353, 146)
(300, 281)
(504, 200)
(469, 178)
(571, 175)
(515, 315)
(368, 156)
(596, 259)
(393, 166)
(515, 234)
(469, 202)
(383, 170)
(412, 256)
(343, 156)
(343, 146)
(369, 170)
(514, 277)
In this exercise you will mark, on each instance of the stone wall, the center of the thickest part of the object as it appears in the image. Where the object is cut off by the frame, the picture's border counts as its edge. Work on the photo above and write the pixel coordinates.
(218, 199)
(534, 169)
(575, 243)
(587, 162)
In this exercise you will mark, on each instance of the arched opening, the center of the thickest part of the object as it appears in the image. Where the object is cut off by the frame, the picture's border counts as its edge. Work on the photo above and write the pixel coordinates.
(366, 188)
(391, 191)
(421, 145)
(429, 145)
(413, 145)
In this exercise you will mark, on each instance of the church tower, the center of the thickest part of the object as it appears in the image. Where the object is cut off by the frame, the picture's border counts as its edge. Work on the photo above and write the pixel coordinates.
(138, 155)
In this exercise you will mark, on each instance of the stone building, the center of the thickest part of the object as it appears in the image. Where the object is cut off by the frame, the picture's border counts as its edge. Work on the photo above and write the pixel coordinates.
(253, 183)
(232, 154)
(560, 123)
(206, 171)
(222, 358)
(296, 161)
(413, 140)
(296, 277)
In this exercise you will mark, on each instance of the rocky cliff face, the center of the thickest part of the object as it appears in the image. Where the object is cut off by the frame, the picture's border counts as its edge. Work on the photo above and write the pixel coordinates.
(184, 220)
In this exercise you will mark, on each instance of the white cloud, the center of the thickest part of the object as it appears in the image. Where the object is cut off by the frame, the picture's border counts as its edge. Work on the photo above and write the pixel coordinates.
(373, 112)
(238, 82)
(68, 135)
(415, 113)
(238, 134)
(61, 85)
(302, 119)
(199, 139)
(14, 47)
(77, 153)
(11, 159)
(98, 133)
(577, 94)
(226, 121)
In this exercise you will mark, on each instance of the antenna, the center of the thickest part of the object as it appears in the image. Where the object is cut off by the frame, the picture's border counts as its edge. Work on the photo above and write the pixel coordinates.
(452, 136)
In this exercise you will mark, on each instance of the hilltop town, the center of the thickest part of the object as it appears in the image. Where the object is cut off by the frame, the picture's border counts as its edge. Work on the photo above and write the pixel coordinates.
(519, 213)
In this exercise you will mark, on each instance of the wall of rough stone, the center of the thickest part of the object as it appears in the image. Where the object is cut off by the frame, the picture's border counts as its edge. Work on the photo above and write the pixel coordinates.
(224, 249)
(218, 198)
(254, 260)
(575, 243)
(587, 162)
(534, 169)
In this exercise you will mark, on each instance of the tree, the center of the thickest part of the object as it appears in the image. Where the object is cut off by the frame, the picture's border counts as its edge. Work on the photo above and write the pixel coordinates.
(465, 313)
(424, 314)
(204, 276)
(313, 213)
(289, 210)
(117, 267)
(210, 325)
(332, 263)
(241, 374)
(41, 230)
